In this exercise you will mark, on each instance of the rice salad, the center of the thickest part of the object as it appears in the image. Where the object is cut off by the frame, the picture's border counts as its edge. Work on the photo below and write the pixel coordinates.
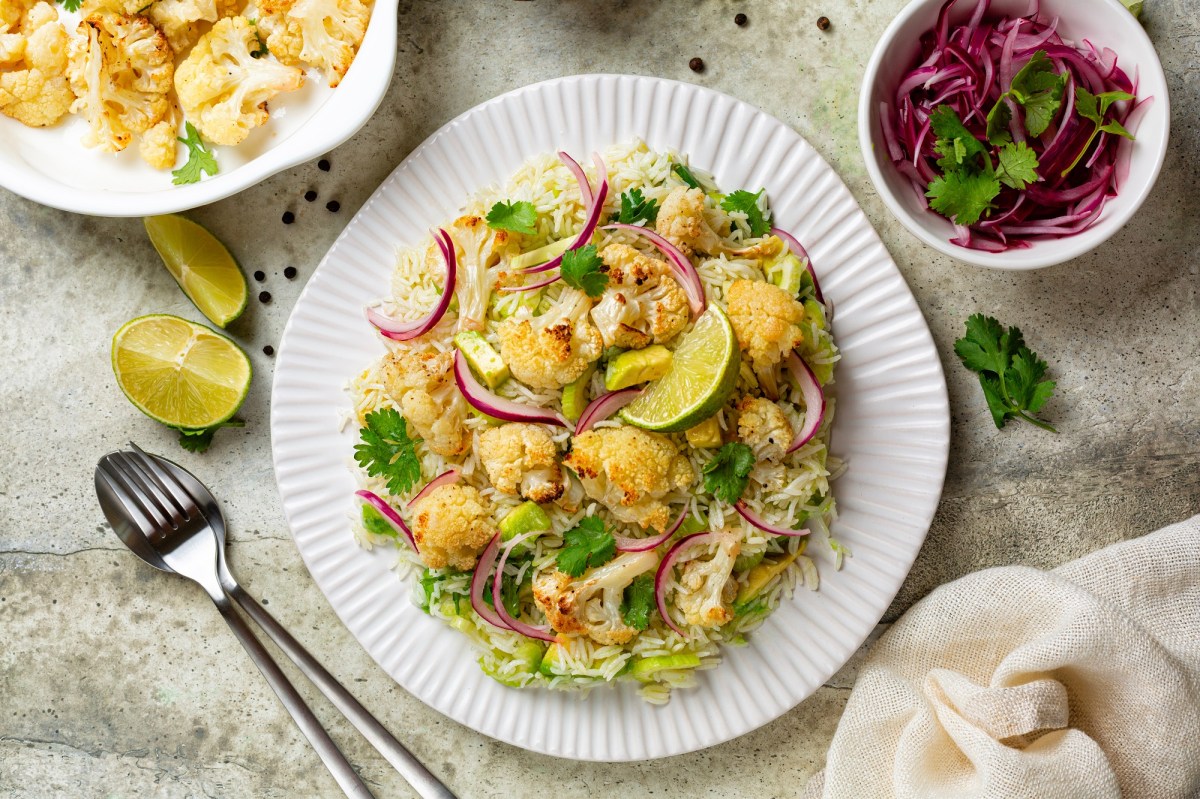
(613, 382)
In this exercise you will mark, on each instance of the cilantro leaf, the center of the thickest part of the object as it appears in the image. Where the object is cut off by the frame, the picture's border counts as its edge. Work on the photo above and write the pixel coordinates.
(1115, 127)
(954, 141)
(586, 546)
(747, 203)
(388, 451)
(1039, 89)
(1093, 107)
(200, 158)
(519, 217)
(728, 473)
(963, 196)
(686, 176)
(635, 208)
(581, 269)
(510, 592)
(200, 440)
(997, 123)
(1041, 107)
(1018, 165)
(638, 602)
(70, 5)
(1010, 374)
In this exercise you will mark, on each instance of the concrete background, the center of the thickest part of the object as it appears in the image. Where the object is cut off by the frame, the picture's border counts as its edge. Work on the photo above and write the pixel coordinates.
(116, 681)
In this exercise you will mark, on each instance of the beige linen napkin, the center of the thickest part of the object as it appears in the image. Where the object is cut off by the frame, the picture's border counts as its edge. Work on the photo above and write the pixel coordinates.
(1082, 682)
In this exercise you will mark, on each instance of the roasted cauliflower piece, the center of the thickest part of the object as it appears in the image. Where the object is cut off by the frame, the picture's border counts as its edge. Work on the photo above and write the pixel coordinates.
(451, 526)
(183, 22)
(555, 348)
(323, 33)
(33, 64)
(478, 248)
(521, 458)
(223, 89)
(422, 384)
(681, 221)
(766, 320)
(629, 471)
(159, 145)
(591, 603)
(642, 304)
(706, 585)
(763, 427)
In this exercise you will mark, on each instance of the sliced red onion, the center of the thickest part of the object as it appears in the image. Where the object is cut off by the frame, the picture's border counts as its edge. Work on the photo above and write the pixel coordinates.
(532, 286)
(814, 401)
(483, 570)
(589, 226)
(682, 268)
(764, 525)
(514, 624)
(448, 477)
(664, 574)
(798, 250)
(626, 544)
(406, 331)
(605, 406)
(483, 400)
(388, 513)
(585, 189)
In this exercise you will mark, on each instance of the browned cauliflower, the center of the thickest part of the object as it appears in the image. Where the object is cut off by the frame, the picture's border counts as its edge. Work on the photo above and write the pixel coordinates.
(223, 89)
(555, 348)
(33, 64)
(681, 221)
(591, 603)
(183, 22)
(120, 70)
(642, 303)
(706, 584)
(160, 144)
(323, 33)
(422, 384)
(630, 470)
(766, 320)
(764, 428)
(478, 248)
(451, 526)
(522, 458)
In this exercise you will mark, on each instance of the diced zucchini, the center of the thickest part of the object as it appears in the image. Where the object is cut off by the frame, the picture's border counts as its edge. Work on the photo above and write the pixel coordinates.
(706, 435)
(637, 366)
(483, 360)
(787, 272)
(520, 300)
(764, 572)
(541, 254)
(575, 395)
(644, 667)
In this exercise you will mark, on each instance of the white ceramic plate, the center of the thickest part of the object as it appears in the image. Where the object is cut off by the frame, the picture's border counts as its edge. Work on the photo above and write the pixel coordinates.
(892, 421)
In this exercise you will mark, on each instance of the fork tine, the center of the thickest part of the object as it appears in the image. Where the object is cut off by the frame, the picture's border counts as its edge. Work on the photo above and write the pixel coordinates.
(137, 509)
(184, 502)
(155, 507)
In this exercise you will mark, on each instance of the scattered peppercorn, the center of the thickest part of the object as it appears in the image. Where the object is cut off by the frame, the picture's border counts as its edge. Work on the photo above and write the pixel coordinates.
(739, 20)
(696, 65)
(310, 195)
(323, 165)
(289, 272)
(268, 350)
(334, 206)
(288, 217)
(260, 276)
(823, 23)
(264, 297)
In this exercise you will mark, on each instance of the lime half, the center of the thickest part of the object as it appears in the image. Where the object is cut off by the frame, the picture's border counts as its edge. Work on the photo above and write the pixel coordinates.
(703, 374)
(179, 373)
(200, 264)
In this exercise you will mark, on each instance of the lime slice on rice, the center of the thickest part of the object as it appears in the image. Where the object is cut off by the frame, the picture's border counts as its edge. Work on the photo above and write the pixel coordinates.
(180, 373)
(703, 374)
(201, 265)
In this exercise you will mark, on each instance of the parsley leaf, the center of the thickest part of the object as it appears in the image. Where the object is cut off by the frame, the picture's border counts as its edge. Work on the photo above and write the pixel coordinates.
(200, 159)
(586, 546)
(686, 176)
(1018, 165)
(963, 196)
(200, 440)
(581, 270)
(1010, 374)
(388, 451)
(747, 203)
(638, 602)
(519, 217)
(728, 473)
(1093, 107)
(635, 208)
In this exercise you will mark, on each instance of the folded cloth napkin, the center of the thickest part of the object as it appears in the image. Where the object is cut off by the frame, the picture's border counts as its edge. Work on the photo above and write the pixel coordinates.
(1014, 682)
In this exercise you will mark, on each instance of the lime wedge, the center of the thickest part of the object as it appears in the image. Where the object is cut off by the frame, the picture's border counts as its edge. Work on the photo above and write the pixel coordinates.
(200, 264)
(179, 373)
(703, 374)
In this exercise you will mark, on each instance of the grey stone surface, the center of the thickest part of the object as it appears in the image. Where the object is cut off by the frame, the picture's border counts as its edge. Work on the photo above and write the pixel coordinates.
(116, 681)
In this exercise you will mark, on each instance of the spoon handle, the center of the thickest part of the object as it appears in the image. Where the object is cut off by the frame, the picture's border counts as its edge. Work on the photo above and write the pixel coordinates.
(420, 778)
(330, 755)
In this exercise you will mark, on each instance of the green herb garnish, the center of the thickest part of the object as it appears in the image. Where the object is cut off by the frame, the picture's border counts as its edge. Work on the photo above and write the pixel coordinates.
(388, 451)
(200, 158)
(686, 176)
(747, 203)
(581, 270)
(586, 546)
(1009, 372)
(638, 602)
(635, 208)
(728, 473)
(1093, 107)
(1038, 90)
(519, 217)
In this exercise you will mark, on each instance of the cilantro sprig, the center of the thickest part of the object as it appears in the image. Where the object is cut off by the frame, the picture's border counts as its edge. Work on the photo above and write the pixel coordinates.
(70, 5)
(686, 176)
(747, 203)
(387, 450)
(638, 602)
(1037, 90)
(200, 158)
(727, 474)
(1009, 372)
(1093, 107)
(636, 208)
(586, 546)
(518, 217)
(581, 270)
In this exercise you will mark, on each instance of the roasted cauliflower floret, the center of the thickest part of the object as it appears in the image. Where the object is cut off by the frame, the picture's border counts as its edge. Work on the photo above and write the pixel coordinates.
(323, 33)
(451, 526)
(478, 248)
(183, 22)
(522, 458)
(422, 384)
(763, 427)
(159, 145)
(223, 89)
(706, 585)
(12, 12)
(681, 221)
(591, 603)
(33, 65)
(555, 348)
(766, 320)
(642, 303)
(630, 470)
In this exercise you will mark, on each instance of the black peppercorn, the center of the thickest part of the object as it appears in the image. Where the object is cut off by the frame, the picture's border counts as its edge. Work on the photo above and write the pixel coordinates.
(310, 195)
(288, 217)
(323, 165)
(260, 276)
(696, 65)
(268, 350)
(823, 23)
(334, 206)
(739, 20)
(264, 297)
(289, 272)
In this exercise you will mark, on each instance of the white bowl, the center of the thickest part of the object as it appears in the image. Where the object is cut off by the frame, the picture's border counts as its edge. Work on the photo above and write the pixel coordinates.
(50, 166)
(1103, 22)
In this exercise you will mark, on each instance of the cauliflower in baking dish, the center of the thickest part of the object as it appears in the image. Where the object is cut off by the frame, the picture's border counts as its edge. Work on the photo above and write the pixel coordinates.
(451, 527)
(630, 470)
(766, 320)
(591, 603)
(522, 458)
(555, 348)
(422, 384)
(642, 303)
(33, 64)
(183, 22)
(706, 584)
(224, 89)
(681, 221)
(323, 33)
(763, 426)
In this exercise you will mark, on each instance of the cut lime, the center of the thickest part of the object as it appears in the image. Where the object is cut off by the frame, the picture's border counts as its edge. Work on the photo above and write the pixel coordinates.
(703, 374)
(179, 373)
(203, 268)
